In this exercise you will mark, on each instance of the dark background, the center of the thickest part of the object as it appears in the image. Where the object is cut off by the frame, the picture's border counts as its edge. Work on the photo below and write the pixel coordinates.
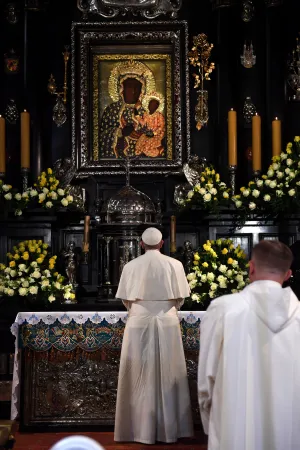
(39, 38)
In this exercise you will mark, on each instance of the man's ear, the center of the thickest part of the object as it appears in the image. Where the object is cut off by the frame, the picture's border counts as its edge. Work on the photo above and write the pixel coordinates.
(142, 245)
(161, 243)
(251, 267)
(288, 275)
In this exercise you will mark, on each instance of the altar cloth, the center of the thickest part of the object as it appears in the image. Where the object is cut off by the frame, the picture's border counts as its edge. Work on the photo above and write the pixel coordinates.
(90, 331)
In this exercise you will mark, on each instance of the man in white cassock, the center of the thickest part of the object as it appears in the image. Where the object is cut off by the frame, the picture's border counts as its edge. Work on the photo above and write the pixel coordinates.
(153, 399)
(249, 365)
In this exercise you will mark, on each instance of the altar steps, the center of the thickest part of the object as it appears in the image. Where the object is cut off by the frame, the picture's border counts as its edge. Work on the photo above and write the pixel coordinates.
(44, 441)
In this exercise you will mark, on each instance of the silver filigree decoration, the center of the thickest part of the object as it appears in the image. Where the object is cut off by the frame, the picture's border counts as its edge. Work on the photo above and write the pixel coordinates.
(249, 110)
(11, 112)
(59, 112)
(149, 9)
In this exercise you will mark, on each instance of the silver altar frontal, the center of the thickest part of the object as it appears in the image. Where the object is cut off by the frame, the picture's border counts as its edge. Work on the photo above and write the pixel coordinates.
(121, 222)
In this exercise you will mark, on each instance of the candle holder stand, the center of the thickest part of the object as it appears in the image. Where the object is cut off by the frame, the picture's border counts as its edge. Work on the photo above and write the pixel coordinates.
(84, 267)
(232, 178)
(256, 174)
(25, 178)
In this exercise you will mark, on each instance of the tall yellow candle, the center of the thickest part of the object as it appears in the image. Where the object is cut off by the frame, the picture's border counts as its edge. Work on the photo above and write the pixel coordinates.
(232, 138)
(25, 140)
(173, 235)
(256, 142)
(276, 137)
(2, 145)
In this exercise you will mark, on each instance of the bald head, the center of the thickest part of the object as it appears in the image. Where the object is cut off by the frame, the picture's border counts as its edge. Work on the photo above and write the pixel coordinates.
(271, 260)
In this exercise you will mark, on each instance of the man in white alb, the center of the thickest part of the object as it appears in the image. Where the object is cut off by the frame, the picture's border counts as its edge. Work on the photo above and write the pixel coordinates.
(249, 366)
(153, 400)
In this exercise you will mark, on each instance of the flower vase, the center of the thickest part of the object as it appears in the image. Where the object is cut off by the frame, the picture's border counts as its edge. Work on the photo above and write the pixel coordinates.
(201, 110)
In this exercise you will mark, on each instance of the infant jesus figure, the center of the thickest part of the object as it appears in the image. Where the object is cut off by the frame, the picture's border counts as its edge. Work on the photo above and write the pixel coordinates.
(152, 124)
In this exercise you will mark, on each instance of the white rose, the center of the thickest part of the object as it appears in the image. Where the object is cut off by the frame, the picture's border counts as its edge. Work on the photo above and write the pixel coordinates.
(279, 193)
(45, 283)
(33, 290)
(225, 194)
(47, 273)
(25, 284)
(53, 195)
(283, 156)
(279, 174)
(69, 198)
(255, 193)
(42, 197)
(223, 284)
(25, 194)
(241, 284)
(222, 268)
(64, 202)
(202, 191)
(229, 273)
(235, 263)
(239, 278)
(51, 298)
(6, 187)
(61, 192)
(270, 172)
(34, 264)
(289, 162)
(259, 183)
(23, 291)
(267, 182)
(221, 278)
(275, 166)
(192, 284)
(213, 286)
(191, 276)
(22, 267)
(211, 294)
(49, 204)
(33, 192)
(292, 192)
(287, 170)
(222, 184)
(207, 197)
(213, 191)
(36, 274)
(18, 196)
(292, 175)
(203, 278)
(57, 285)
(267, 198)
(238, 203)
(246, 192)
(210, 276)
(18, 212)
(273, 184)
(10, 292)
(195, 297)
(13, 273)
(252, 205)
(190, 194)
(8, 196)
(45, 190)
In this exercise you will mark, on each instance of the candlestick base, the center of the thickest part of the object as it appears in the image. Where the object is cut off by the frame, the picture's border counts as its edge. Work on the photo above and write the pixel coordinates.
(232, 178)
(2, 175)
(256, 174)
(25, 178)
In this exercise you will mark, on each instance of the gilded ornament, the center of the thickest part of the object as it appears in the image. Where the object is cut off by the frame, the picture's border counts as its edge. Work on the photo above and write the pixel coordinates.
(154, 96)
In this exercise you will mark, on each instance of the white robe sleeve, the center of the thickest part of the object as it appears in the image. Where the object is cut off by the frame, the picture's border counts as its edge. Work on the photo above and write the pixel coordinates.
(211, 339)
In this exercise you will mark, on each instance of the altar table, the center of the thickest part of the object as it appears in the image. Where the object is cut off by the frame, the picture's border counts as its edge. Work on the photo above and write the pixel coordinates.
(70, 363)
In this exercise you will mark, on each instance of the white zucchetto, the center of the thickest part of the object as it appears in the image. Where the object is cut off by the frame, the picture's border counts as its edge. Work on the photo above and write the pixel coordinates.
(151, 236)
(77, 443)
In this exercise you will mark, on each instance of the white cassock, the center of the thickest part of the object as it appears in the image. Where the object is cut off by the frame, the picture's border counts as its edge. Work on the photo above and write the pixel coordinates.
(249, 370)
(153, 399)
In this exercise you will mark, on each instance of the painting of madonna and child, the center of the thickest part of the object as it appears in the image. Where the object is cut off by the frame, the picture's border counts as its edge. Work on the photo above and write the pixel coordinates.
(132, 107)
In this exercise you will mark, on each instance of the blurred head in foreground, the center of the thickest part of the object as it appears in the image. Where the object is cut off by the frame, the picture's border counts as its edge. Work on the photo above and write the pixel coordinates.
(77, 443)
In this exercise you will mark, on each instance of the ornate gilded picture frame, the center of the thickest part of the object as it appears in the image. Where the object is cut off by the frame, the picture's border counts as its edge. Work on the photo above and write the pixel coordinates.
(130, 97)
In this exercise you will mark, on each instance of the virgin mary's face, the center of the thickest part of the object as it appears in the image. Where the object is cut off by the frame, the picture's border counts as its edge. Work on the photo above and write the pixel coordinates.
(131, 90)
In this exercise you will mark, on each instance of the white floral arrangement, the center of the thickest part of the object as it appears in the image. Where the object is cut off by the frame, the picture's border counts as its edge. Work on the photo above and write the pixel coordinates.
(219, 268)
(277, 192)
(46, 193)
(31, 273)
(210, 194)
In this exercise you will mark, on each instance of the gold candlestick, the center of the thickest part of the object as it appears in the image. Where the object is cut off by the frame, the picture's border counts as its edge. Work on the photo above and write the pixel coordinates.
(256, 144)
(2, 148)
(232, 138)
(276, 137)
(173, 235)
